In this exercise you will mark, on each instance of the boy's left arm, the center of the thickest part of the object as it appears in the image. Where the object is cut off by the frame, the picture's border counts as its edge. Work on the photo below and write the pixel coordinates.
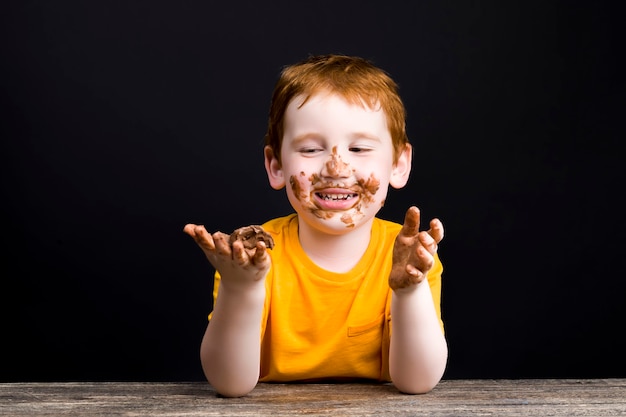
(418, 352)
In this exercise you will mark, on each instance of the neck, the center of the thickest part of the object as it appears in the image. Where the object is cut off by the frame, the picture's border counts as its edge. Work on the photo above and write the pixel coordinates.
(335, 252)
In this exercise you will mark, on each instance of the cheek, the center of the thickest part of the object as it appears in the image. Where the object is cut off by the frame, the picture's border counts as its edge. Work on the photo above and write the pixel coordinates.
(299, 186)
(370, 187)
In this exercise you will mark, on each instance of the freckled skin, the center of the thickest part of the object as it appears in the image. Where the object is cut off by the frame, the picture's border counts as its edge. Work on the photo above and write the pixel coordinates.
(365, 188)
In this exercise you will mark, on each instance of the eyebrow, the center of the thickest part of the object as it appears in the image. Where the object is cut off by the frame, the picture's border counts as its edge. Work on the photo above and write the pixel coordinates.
(306, 136)
(352, 136)
(364, 135)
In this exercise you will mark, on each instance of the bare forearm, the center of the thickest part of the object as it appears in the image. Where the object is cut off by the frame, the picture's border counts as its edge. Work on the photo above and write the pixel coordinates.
(418, 351)
(230, 351)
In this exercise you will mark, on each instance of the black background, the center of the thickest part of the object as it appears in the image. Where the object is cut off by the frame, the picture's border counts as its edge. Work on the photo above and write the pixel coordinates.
(123, 121)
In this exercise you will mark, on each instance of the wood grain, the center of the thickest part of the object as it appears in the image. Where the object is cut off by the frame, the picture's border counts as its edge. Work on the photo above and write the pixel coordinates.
(550, 397)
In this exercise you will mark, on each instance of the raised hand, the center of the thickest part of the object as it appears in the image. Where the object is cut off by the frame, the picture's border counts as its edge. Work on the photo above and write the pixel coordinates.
(413, 251)
(242, 259)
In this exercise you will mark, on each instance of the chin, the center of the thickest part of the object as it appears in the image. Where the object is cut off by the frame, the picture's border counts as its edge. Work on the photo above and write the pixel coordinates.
(335, 222)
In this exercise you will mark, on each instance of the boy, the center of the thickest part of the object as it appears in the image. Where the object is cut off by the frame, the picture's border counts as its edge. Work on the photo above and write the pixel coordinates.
(321, 303)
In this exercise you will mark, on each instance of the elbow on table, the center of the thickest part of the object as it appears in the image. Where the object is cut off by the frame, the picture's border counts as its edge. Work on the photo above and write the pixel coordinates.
(419, 387)
(411, 383)
(232, 390)
(229, 381)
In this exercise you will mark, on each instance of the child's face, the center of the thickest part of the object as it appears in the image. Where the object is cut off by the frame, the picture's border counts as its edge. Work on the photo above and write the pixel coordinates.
(336, 162)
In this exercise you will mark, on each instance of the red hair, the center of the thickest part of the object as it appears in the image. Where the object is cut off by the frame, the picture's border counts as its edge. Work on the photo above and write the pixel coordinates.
(355, 79)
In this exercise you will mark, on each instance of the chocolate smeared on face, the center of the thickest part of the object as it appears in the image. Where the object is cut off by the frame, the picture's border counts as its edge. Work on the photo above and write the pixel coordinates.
(348, 219)
(305, 199)
(363, 190)
(297, 188)
(250, 235)
(369, 187)
(335, 166)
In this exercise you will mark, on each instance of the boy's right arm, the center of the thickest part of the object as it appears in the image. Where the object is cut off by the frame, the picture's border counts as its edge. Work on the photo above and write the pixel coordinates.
(231, 347)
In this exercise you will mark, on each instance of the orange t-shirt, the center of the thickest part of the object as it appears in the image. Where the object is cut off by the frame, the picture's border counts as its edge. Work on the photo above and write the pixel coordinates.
(319, 324)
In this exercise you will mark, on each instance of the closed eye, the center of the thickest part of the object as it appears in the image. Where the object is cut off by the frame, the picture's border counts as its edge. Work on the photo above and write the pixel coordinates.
(309, 151)
(359, 150)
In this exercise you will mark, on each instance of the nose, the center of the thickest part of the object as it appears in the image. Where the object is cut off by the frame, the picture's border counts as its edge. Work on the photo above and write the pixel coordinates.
(335, 167)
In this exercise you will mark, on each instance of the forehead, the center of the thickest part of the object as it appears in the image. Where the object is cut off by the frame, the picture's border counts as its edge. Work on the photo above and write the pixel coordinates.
(333, 110)
(324, 96)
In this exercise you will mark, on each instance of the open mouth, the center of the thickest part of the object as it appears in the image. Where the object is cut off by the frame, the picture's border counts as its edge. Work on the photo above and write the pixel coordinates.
(335, 200)
(336, 197)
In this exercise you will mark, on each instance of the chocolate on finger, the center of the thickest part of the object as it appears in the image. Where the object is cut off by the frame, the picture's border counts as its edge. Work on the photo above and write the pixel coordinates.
(250, 235)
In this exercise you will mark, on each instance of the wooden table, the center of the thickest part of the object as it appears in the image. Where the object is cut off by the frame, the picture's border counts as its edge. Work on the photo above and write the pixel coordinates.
(551, 397)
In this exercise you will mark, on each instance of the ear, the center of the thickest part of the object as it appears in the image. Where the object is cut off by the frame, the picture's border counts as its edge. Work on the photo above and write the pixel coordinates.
(402, 168)
(274, 169)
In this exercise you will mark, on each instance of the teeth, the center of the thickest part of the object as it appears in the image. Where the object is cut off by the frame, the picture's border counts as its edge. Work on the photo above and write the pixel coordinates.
(337, 197)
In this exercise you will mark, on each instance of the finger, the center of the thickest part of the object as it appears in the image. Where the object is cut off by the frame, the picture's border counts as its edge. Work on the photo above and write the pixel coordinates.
(425, 259)
(200, 236)
(410, 277)
(413, 271)
(192, 229)
(411, 222)
(436, 230)
(222, 245)
(428, 242)
(239, 252)
(189, 229)
(259, 253)
(203, 238)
